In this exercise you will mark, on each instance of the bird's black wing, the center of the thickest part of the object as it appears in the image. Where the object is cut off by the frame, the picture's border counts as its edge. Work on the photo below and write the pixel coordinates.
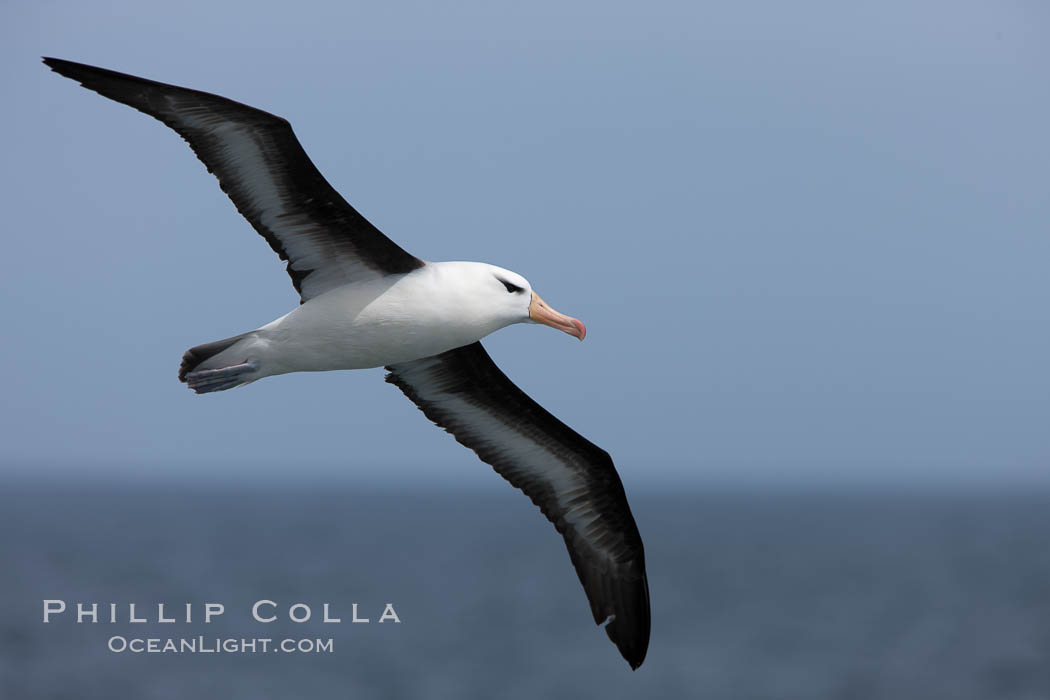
(572, 480)
(265, 171)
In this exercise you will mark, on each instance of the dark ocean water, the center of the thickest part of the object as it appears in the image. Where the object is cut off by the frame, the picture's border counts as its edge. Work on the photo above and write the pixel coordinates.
(755, 594)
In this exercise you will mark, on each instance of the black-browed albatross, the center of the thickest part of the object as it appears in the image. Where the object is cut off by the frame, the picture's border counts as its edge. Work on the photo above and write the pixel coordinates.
(365, 302)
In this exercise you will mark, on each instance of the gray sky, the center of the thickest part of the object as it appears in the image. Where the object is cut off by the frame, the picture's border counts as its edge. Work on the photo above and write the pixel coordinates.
(809, 242)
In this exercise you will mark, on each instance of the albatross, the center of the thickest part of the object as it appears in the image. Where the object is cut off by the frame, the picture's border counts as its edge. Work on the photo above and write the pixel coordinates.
(366, 302)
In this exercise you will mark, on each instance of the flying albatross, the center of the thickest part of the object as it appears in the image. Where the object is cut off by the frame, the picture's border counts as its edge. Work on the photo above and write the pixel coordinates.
(365, 302)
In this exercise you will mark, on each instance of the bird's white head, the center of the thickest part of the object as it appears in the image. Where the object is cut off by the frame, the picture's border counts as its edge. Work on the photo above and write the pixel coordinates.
(506, 297)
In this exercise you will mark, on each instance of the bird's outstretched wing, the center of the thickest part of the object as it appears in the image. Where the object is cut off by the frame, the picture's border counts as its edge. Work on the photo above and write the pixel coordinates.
(265, 171)
(572, 480)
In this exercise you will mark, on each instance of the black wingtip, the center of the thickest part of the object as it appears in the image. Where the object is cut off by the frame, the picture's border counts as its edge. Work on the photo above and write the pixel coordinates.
(630, 626)
(79, 72)
(633, 645)
(82, 72)
(57, 64)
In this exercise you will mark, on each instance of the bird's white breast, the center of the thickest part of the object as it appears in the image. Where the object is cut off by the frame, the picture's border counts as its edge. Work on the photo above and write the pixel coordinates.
(378, 322)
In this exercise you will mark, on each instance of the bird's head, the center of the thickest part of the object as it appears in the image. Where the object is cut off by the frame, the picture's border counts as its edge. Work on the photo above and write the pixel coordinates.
(509, 297)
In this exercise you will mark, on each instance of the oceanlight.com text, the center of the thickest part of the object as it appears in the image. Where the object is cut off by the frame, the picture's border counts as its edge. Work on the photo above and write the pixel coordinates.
(219, 645)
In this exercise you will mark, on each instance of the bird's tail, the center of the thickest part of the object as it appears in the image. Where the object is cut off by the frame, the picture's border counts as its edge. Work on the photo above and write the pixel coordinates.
(204, 371)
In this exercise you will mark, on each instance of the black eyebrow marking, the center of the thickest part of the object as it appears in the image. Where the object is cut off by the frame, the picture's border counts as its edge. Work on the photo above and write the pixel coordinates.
(512, 288)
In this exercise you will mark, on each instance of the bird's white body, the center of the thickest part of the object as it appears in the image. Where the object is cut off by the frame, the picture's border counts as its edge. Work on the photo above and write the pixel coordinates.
(383, 321)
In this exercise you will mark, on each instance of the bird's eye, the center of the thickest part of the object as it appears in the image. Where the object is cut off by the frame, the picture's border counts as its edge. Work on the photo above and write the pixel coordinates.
(512, 288)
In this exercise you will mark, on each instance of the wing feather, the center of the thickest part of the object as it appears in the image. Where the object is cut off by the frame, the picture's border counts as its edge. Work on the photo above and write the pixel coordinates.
(263, 168)
(573, 481)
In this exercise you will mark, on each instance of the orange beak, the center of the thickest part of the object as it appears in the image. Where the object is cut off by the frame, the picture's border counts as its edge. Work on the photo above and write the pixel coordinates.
(541, 313)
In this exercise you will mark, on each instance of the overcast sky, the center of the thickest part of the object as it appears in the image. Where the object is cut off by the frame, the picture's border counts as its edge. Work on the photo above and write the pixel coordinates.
(809, 242)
